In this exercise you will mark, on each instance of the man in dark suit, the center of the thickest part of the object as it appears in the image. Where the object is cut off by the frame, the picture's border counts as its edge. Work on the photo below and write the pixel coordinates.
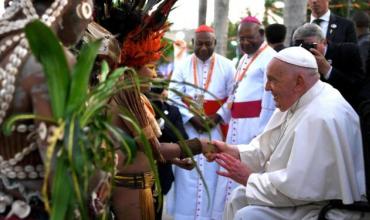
(338, 64)
(335, 28)
(365, 91)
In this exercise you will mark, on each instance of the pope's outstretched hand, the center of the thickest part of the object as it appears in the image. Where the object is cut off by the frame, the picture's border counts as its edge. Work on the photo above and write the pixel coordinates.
(233, 168)
(211, 148)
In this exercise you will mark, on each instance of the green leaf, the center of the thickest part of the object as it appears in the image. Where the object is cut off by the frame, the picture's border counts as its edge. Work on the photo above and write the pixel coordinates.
(61, 190)
(101, 95)
(48, 51)
(104, 70)
(71, 141)
(80, 76)
(127, 143)
(7, 126)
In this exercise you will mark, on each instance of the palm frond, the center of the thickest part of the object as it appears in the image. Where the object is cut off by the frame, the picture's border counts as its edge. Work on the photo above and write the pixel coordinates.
(80, 76)
(54, 62)
(83, 130)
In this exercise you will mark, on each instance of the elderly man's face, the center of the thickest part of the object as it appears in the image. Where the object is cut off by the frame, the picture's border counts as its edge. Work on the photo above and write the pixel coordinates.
(282, 84)
(250, 38)
(318, 7)
(204, 45)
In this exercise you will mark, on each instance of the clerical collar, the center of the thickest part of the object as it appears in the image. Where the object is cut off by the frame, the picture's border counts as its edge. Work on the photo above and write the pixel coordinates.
(306, 98)
(324, 17)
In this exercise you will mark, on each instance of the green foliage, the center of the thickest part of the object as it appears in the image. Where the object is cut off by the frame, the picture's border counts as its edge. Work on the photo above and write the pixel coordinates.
(54, 63)
(7, 126)
(168, 51)
(83, 139)
(80, 76)
(61, 190)
(192, 106)
(232, 49)
(271, 10)
(81, 125)
(345, 8)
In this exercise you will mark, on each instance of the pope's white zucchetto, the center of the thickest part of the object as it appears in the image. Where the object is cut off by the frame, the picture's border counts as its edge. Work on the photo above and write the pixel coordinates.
(297, 56)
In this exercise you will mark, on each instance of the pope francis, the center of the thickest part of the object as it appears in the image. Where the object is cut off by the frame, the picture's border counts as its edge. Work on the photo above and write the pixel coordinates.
(310, 152)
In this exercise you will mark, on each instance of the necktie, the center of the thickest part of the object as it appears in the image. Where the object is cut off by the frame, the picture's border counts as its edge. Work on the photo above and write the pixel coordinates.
(317, 21)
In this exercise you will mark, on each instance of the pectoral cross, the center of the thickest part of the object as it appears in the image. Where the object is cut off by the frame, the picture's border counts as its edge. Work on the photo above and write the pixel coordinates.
(231, 98)
(199, 101)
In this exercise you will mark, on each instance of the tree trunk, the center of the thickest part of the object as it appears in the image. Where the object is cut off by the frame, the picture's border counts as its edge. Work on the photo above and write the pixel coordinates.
(294, 16)
(221, 25)
(202, 12)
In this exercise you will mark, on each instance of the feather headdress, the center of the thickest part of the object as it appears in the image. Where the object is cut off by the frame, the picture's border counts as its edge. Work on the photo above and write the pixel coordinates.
(140, 33)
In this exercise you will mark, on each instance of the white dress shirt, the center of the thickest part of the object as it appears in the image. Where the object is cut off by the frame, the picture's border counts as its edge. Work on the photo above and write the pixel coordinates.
(324, 24)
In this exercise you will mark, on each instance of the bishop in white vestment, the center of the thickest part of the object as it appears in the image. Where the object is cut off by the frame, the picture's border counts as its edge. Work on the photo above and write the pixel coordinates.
(209, 76)
(250, 106)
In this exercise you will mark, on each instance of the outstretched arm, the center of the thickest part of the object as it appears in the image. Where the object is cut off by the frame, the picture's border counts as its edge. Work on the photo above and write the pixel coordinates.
(196, 146)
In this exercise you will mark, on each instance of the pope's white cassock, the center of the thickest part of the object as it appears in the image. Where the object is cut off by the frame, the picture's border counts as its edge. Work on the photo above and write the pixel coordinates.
(190, 198)
(306, 155)
(251, 109)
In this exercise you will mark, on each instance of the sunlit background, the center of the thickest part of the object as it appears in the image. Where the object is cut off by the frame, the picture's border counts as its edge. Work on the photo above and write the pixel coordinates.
(185, 16)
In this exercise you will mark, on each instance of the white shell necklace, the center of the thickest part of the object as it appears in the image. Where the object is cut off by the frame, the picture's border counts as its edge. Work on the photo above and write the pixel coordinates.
(20, 44)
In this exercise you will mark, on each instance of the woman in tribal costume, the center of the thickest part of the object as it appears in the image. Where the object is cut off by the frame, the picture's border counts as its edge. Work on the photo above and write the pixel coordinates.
(140, 35)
